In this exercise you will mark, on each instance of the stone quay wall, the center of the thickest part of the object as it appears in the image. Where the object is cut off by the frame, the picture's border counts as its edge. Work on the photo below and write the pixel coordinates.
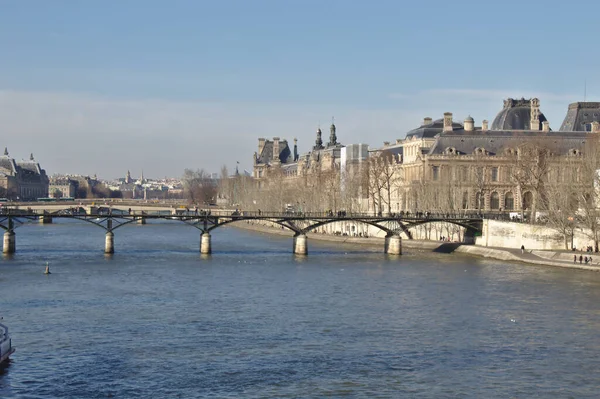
(513, 235)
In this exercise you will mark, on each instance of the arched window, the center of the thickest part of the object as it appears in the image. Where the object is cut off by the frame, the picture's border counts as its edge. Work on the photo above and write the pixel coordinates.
(509, 201)
(495, 201)
(465, 200)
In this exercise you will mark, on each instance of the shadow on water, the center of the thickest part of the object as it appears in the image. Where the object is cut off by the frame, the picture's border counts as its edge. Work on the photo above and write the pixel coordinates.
(448, 248)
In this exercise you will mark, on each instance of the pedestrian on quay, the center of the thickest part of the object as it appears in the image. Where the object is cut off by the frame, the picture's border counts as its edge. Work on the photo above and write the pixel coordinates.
(522, 249)
(580, 259)
(574, 258)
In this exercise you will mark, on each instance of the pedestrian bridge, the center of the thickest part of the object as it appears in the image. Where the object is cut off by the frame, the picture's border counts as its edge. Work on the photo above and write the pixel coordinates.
(111, 219)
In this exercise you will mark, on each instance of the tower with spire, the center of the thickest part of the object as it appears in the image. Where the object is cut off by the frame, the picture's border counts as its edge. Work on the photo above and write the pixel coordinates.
(128, 178)
(318, 141)
(332, 136)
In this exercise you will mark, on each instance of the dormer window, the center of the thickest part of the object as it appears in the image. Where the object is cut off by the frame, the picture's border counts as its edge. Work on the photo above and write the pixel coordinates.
(450, 151)
(480, 151)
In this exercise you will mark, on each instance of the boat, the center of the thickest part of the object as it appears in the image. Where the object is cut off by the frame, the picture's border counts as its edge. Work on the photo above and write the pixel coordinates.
(6, 348)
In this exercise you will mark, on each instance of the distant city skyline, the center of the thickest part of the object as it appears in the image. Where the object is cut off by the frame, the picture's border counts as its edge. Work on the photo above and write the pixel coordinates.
(102, 88)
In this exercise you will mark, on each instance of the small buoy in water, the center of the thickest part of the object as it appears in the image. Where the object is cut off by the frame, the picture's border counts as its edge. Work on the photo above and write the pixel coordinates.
(47, 269)
(513, 320)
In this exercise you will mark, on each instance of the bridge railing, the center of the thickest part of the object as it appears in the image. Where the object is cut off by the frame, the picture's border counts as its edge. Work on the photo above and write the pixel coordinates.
(401, 215)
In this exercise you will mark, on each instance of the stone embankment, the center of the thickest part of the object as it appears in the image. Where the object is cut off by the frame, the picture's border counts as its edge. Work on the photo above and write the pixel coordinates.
(536, 257)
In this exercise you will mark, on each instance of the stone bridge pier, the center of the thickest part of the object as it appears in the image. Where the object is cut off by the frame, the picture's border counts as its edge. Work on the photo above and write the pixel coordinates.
(109, 243)
(300, 244)
(10, 242)
(205, 244)
(393, 245)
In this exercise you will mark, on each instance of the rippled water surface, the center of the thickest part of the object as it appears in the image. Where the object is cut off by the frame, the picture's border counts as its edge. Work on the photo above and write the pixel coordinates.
(157, 320)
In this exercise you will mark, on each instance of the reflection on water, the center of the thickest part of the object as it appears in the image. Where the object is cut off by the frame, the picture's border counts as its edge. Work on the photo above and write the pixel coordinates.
(252, 320)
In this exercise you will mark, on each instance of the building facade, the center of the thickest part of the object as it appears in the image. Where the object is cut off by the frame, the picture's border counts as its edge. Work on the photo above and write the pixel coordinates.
(515, 165)
(22, 180)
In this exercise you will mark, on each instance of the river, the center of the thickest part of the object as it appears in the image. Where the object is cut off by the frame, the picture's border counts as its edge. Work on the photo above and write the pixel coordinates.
(157, 320)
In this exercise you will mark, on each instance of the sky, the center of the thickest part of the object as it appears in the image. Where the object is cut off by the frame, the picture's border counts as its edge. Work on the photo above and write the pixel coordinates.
(109, 86)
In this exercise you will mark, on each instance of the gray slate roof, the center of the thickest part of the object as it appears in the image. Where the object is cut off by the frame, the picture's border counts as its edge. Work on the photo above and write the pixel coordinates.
(430, 130)
(285, 154)
(516, 115)
(495, 142)
(580, 116)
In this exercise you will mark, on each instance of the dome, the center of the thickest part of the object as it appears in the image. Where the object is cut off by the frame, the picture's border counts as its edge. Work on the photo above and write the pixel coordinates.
(469, 119)
(516, 115)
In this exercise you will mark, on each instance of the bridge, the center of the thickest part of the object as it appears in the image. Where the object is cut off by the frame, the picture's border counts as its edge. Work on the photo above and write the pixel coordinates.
(111, 219)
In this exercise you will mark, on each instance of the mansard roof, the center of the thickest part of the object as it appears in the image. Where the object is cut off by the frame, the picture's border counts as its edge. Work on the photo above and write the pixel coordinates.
(496, 142)
(8, 164)
(430, 130)
(515, 115)
(285, 154)
(580, 116)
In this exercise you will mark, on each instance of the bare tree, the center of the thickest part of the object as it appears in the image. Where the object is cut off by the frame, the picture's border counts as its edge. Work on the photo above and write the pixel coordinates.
(199, 187)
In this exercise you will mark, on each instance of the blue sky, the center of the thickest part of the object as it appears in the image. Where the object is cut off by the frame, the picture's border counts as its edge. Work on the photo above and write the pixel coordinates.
(103, 87)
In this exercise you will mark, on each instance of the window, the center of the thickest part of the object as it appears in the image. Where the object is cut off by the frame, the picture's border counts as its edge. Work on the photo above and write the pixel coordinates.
(465, 200)
(509, 201)
(494, 201)
(494, 174)
(435, 173)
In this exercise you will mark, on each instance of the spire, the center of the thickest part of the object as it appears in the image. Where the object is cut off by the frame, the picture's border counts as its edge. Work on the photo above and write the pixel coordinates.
(332, 136)
(31, 157)
(6, 151)
(318, 141)
(142, 177)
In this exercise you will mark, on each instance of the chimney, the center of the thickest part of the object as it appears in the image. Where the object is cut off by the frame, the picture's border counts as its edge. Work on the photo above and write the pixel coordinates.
(469, 124)
(386, 143)
(276, 149)
(545, 126)
(295, 149)
(447, 121)
(261, 146)
(398, 141)
(595, 127)
(535, 114)
(484, 125)
(427, 121)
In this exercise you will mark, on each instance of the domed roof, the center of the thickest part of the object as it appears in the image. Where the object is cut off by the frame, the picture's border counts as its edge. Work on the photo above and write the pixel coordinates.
(516, 115)
(469, 119)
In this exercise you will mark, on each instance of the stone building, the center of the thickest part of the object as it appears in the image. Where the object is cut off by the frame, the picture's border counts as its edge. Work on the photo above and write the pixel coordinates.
(276, 155)
(446, 165)
(22, 180)
(62, 187)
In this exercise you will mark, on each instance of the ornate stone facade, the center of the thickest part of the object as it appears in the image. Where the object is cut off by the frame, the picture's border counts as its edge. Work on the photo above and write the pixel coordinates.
(22, 180)
(445, 165)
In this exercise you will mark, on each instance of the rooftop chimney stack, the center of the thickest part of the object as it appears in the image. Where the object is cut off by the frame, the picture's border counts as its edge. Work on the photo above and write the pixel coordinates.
(276, 150)
(469, 124)
(427, 121)
(545, 126)
(535, 114)
(386, 143)
(595, 127)
(261, 146)
(447, 121)
(484, 125)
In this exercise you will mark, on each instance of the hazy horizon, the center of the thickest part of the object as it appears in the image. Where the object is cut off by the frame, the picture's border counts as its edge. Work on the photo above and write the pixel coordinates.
(92, 88)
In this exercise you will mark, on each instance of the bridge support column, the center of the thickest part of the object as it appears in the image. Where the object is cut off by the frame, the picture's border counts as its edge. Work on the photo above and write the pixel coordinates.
(109, 243)
(10, 242)
(141, 220)
(205, 243)
(393, 245)
(300, 247)
(45, 219)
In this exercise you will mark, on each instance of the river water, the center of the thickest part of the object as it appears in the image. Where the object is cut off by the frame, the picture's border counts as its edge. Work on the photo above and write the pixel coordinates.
(157, 320)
